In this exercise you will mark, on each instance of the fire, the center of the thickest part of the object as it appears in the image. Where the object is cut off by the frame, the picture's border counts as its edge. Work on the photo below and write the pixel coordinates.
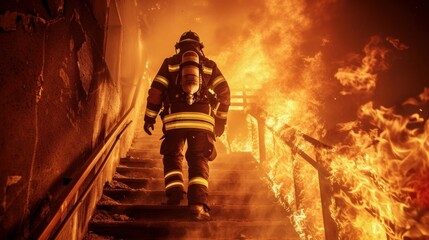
(384, 167)
(240, 145)
(387, 169)
(252, 68)
(363, 78)
(282, 112)
(298, 218)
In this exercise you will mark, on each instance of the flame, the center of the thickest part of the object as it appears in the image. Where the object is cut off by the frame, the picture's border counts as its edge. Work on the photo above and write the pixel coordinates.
(383, 168)
(240, 145)
(298, 218)
(383, 164)
(363, 78)
(251, 68)
(386, 169)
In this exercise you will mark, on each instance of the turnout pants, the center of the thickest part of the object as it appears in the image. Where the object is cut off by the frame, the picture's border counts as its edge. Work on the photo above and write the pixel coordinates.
(200, 150)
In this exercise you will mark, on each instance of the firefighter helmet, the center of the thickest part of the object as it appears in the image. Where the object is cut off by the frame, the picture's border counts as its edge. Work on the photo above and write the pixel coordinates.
(189, 37)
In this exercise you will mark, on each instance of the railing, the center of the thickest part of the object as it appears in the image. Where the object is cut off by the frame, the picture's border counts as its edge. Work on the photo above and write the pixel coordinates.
(260, 134)
(84, 179)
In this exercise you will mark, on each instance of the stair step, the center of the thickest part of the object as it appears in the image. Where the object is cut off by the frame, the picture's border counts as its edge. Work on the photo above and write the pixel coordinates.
(156, 135)
(138, 183)
(216, 184)
(151, 153)
(158, 172)
(196, 230)
(138, 145)
(224, 162)
(215, 197)
(155, 172)
(142, 163)
(180, 213)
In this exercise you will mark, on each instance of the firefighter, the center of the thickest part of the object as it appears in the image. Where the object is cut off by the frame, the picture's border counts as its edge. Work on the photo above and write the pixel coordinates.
(194, 97)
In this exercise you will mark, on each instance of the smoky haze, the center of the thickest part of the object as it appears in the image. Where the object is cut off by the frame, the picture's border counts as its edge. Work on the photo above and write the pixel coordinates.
(218, 23)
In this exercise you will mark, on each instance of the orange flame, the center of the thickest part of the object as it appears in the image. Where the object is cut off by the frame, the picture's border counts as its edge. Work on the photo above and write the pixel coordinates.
(387, 168)
(363, 78)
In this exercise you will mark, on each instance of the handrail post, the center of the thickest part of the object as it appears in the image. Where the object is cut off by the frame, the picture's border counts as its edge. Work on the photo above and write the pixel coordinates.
(331, 228)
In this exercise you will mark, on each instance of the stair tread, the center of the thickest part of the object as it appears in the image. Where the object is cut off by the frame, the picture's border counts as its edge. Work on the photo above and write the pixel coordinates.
(162, 192)
(179, 208)
(153, 179)
(198, 230)
(217, 164)
(171, 211)
(161, 169)
(142, 222)
(143, 196)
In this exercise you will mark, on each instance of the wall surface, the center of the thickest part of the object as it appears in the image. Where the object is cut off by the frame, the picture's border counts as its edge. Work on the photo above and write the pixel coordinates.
(58, 101)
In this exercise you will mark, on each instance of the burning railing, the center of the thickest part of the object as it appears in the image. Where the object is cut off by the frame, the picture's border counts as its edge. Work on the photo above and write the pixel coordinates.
(305, 182)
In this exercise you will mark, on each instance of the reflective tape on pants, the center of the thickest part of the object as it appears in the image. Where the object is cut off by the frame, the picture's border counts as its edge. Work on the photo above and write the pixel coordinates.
(199, 181)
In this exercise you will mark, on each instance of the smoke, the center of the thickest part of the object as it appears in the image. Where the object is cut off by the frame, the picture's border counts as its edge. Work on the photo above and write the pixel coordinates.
(218, 23)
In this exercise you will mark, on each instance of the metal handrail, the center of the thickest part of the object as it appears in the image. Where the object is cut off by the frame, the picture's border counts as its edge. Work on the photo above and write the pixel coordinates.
(52, 225)
(330, 227)
(88, 189)
(47, 230)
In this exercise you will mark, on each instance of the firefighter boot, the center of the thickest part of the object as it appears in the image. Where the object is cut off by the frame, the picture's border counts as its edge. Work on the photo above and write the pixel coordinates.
(199, 212)
(174, 198)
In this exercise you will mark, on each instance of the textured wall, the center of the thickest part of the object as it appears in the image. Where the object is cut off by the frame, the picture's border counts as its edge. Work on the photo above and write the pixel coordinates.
(57, 102)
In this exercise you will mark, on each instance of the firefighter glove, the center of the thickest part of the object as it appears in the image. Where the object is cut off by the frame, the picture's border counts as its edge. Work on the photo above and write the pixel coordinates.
(147, 127)
(219, 129)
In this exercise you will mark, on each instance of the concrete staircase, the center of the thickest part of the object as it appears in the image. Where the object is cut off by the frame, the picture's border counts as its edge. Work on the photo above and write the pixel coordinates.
(242, 205)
